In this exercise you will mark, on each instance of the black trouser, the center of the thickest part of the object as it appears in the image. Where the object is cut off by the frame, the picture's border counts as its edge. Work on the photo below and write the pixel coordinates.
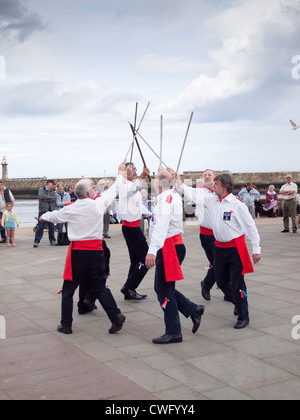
(87, 269)
(228, 273)
(85, 288)
(166, 290)
(208, 244)
(138, 249)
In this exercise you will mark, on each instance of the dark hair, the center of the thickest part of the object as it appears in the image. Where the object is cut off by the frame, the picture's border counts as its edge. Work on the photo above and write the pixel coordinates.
(226, 181)
(50, 181)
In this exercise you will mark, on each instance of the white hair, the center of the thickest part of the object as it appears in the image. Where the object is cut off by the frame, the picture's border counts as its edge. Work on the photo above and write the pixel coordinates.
(82, 188)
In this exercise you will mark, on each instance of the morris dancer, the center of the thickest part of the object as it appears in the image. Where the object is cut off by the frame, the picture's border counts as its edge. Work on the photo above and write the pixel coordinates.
(130, 211)
(85, 259)
(207, 238)
(167, 252)
(231, 221)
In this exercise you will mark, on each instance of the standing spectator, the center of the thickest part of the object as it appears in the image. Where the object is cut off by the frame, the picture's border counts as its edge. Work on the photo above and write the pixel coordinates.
(9, 221)
(62, 198)
(5, 197)
(271, 202)
(147, 202)
(101, 187)
(249, 195)
(72, 194)
(289, 192)
(47, 201)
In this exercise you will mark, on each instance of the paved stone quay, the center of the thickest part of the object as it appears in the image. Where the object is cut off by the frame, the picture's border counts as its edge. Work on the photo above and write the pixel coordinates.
(219, 362)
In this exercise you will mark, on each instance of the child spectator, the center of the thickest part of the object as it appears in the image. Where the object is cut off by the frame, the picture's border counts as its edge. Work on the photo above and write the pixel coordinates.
(9, 221)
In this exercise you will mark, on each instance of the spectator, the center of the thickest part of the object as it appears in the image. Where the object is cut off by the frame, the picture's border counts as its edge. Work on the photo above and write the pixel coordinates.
(5, 197)
(289, 192)
(271, 203)
(249, 196)
(72, 194)
(62, 198)
(9, 221)
(101, 187)
(47, 201)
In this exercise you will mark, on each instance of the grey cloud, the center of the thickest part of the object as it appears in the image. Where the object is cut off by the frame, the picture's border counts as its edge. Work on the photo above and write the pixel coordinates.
(17, 21)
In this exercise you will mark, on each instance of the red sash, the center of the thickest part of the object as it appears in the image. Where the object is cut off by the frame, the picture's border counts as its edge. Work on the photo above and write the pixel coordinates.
(241, 246)
(136, 223)
(94, 245)
(206, 231)
(171, 263)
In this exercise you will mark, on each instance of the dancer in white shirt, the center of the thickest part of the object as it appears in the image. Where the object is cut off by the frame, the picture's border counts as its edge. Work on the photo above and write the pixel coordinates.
(131, 209)
(85, 259)
(167, 252)
(231, 221)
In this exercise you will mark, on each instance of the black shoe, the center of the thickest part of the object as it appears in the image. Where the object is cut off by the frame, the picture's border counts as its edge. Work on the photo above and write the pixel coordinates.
(131, 294)
(204, 291)
(106, 236)
(284, 230)
(64, 330)
(117, 323)
(85, 307)
(196, 318)
(2, 241)
(168, 339)
(294, 230)
(52, 243)
(35, 245)
(241, 324)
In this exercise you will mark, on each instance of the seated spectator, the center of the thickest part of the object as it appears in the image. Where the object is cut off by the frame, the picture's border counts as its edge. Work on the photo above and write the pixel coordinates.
(271, 203)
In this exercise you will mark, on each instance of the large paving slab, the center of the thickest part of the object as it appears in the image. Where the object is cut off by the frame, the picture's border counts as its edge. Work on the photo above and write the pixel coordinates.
(259, 362)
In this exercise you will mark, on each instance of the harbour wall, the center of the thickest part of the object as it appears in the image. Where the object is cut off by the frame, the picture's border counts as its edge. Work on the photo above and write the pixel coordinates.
(28, 188)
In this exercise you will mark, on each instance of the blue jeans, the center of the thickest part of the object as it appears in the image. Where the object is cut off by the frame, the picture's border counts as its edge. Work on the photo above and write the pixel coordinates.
(40, 231)
(177, 301)
(2, 230)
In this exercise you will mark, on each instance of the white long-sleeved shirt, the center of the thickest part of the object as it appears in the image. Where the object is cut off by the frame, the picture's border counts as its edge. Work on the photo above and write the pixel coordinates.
(197, 196)
(131, 206)
(166, 220)
(231, 219)
(84, 216)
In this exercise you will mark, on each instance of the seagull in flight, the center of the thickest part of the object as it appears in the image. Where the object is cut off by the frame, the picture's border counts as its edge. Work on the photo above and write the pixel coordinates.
(295, 126)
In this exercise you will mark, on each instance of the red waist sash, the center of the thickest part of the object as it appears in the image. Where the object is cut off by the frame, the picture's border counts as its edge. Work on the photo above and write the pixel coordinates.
(136, 223)
(241, 246)
(93, 245)
(206, 231)
(171, 263)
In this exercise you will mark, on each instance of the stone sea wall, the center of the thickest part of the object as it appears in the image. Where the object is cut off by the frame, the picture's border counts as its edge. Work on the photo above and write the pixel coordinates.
(28, 188)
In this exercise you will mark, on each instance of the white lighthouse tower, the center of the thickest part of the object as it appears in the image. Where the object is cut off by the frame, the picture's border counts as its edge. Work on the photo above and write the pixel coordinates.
(4, 169)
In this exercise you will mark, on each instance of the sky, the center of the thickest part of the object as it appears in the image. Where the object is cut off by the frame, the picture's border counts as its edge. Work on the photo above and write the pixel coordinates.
(72, 72)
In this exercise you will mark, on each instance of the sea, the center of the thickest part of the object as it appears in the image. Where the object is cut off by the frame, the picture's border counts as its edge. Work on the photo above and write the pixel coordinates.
(26, 211)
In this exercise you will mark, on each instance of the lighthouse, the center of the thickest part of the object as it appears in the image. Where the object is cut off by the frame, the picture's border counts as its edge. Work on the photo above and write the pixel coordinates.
(4, 169)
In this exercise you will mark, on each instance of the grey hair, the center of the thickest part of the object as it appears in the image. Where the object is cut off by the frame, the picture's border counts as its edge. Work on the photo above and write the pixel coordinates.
(82, 188)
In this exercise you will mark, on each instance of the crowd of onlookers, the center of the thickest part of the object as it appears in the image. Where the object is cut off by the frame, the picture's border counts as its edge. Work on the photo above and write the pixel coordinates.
(54, 197)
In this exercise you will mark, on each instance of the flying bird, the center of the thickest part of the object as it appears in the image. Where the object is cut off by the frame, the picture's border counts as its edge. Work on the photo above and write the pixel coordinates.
(295, 126)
